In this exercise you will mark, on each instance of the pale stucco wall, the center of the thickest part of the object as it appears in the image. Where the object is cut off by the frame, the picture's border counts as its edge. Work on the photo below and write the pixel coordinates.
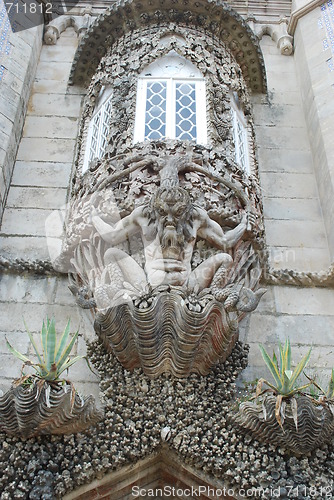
(19, 55)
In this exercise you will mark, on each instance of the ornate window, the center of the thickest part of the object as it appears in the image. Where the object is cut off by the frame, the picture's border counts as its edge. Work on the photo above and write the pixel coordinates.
(171, 101)
(98, 128)
(240, 134)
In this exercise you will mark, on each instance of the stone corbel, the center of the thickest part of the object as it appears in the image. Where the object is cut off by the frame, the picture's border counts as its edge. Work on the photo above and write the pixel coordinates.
(278, 33)
(282, 37)
(80, 24)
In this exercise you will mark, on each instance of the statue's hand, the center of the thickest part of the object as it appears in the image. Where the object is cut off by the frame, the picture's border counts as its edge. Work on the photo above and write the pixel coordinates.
(87, 213)
(244, 219)
(251, 221)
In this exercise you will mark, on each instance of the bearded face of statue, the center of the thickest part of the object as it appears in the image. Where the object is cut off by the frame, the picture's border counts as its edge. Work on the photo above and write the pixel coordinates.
(172, 209)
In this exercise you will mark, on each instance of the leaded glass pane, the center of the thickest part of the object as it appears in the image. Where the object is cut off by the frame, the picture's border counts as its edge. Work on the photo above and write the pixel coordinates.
(95, 137)
(185, 111)
(105, 124)
(240, 141)
(155, 114)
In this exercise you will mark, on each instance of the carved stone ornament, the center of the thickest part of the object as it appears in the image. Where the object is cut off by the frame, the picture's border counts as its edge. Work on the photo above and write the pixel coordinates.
(165, 251)
(217, 19)
(27, 411)
(306, 424)
(164, 238)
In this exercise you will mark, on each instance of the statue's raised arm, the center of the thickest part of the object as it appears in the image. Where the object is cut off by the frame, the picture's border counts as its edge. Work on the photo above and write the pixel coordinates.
(213, 233)
(119, 232)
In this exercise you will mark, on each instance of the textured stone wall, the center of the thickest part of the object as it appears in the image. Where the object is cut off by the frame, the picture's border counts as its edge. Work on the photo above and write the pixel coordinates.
(19, 54)
(39, 186)
(44, 160)
(316, 78)
(295, 230)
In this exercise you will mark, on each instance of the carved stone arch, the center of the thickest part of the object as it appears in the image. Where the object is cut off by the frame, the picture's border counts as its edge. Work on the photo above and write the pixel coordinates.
(218, 19)
(124, 61)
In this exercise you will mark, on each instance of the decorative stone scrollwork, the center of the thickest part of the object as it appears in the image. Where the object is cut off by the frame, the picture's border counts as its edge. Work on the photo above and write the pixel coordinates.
(279, 34)
(164, 250)
(216, 18)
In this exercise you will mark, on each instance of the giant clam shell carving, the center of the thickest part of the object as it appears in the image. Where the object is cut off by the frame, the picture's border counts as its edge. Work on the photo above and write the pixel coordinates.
(167, 336)
(25, 413)
(315, 424)
(165, 252)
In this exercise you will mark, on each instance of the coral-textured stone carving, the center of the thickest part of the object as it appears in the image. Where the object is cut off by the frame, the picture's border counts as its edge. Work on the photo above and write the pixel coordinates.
(310, 427)
(217, 18)
(167, 265)
(27, 411)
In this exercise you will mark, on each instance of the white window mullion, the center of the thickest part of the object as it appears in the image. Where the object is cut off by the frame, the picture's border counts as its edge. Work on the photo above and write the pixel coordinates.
(170, 112)
(139, 130)
(96, 138)
(201, 113)
(240, 136)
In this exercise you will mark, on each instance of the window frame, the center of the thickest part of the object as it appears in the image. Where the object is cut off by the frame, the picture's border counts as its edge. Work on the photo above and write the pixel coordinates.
(170, 124)
(104, 99)
(239, 120)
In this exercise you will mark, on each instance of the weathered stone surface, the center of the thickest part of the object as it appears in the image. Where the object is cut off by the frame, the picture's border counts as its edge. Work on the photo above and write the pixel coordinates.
(53, 127)
(292, 208)
(301, 259)
(29, 197)
(55, 105)
(29, 221)
(291, 300)
(41, 174)
(296, 234)
(39, 149)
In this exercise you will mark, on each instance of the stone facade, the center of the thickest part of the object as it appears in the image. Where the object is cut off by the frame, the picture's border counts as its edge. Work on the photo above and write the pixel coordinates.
(44, 113)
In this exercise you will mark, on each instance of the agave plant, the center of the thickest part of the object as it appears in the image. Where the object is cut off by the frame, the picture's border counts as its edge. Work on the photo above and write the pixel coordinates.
(285, 378)
(43, 403)
(54, 358)
(305, 421)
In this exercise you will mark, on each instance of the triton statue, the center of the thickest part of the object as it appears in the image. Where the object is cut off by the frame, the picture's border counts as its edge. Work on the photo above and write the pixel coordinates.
(169, 226)
(155, 304)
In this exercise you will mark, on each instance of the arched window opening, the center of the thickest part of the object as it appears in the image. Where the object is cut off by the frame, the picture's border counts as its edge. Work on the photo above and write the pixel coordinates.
(98, 128)
(171, 101)
(240, 134)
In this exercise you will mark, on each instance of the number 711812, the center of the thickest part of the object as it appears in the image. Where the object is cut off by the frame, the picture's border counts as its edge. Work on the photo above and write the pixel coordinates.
(29, 8)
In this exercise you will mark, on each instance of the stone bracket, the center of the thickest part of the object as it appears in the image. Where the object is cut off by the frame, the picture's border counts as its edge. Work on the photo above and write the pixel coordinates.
(278, 33)
(80, 23)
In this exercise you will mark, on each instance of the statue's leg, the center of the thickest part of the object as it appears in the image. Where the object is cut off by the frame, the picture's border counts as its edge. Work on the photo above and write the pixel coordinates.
(202, 276)
(131, 270)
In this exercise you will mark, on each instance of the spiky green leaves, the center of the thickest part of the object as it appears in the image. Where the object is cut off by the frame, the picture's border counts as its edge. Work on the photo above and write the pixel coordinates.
(54, 357)
(285, 378)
